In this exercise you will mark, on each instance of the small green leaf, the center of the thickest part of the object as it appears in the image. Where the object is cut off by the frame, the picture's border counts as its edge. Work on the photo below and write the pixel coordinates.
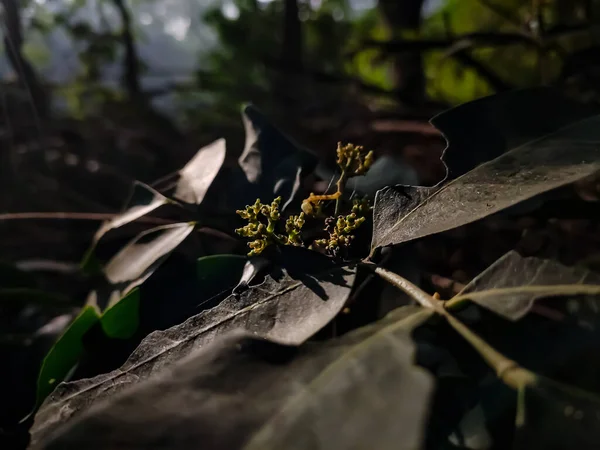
(65, 353)
(217, 273)
(121, 320)
(227, 267)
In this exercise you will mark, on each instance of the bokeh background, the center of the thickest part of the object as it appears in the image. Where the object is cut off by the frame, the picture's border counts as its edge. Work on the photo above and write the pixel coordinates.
(97, 93)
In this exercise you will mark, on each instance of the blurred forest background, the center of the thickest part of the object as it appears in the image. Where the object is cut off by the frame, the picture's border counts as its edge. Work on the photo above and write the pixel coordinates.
(95, 94)
(98, 93)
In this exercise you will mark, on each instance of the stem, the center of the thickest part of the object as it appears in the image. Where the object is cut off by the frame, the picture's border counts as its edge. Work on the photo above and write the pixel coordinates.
(506, 369)
(341, 185)
(422, 297)
(75, 216)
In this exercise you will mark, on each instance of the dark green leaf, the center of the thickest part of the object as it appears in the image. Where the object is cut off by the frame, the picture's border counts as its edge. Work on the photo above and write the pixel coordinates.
(359, 391)
(121, 320)
(512, 166)
(65, 353)
(512, 285)
(287, 311)
(197, 175)
(227, 266)
(137, 261)
(271, 160)
(558, 417)
(219, 272)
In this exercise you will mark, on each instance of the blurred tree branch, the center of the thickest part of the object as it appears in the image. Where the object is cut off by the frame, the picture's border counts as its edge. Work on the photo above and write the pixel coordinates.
(405, 16)
(131, 65)
(478, 39)
(13, 44)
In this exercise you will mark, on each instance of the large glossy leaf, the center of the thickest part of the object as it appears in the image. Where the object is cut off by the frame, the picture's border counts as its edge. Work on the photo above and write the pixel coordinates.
(137, 261)
(271, 161)
(511, 285)
(197, 175)
(358, 391)
(65, 353)
(515, 155)
(287, 311)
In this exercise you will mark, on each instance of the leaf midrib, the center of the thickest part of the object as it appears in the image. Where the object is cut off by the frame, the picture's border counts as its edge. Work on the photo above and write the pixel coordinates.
(188, 338)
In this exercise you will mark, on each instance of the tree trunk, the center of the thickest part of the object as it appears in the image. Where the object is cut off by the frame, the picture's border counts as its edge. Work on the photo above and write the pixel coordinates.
(131, 65)
(13, 43)
(401, 16)
(292, 48)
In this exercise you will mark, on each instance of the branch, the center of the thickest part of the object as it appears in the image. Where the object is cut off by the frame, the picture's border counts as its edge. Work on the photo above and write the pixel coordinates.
(324, 77)
(131, 72)
(75, 216)
(463, 55)
(13, 43)
(479, 39)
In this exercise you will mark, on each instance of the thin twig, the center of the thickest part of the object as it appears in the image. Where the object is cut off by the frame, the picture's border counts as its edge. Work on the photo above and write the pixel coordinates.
(75, 216)
(506, 369)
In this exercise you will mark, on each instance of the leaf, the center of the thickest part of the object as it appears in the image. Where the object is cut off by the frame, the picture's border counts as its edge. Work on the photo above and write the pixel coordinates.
(253, 267)
(121, 320)
(511, 286)
(212, 266)
(359, 391)
(142, 201)
(503, 166)
(217, 273)
(552, 415)
(137, 261)
(271, 160)
(287, 311)
(198, 174)
(65, 353)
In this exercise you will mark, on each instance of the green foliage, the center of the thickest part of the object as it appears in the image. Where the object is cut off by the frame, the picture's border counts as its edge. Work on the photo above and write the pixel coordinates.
(65, 353)
(121, 320)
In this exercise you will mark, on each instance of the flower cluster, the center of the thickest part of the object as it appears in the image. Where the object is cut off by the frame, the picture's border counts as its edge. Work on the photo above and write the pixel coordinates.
(353, 160)
(293, 228)
(263, 219)
(264, 234)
